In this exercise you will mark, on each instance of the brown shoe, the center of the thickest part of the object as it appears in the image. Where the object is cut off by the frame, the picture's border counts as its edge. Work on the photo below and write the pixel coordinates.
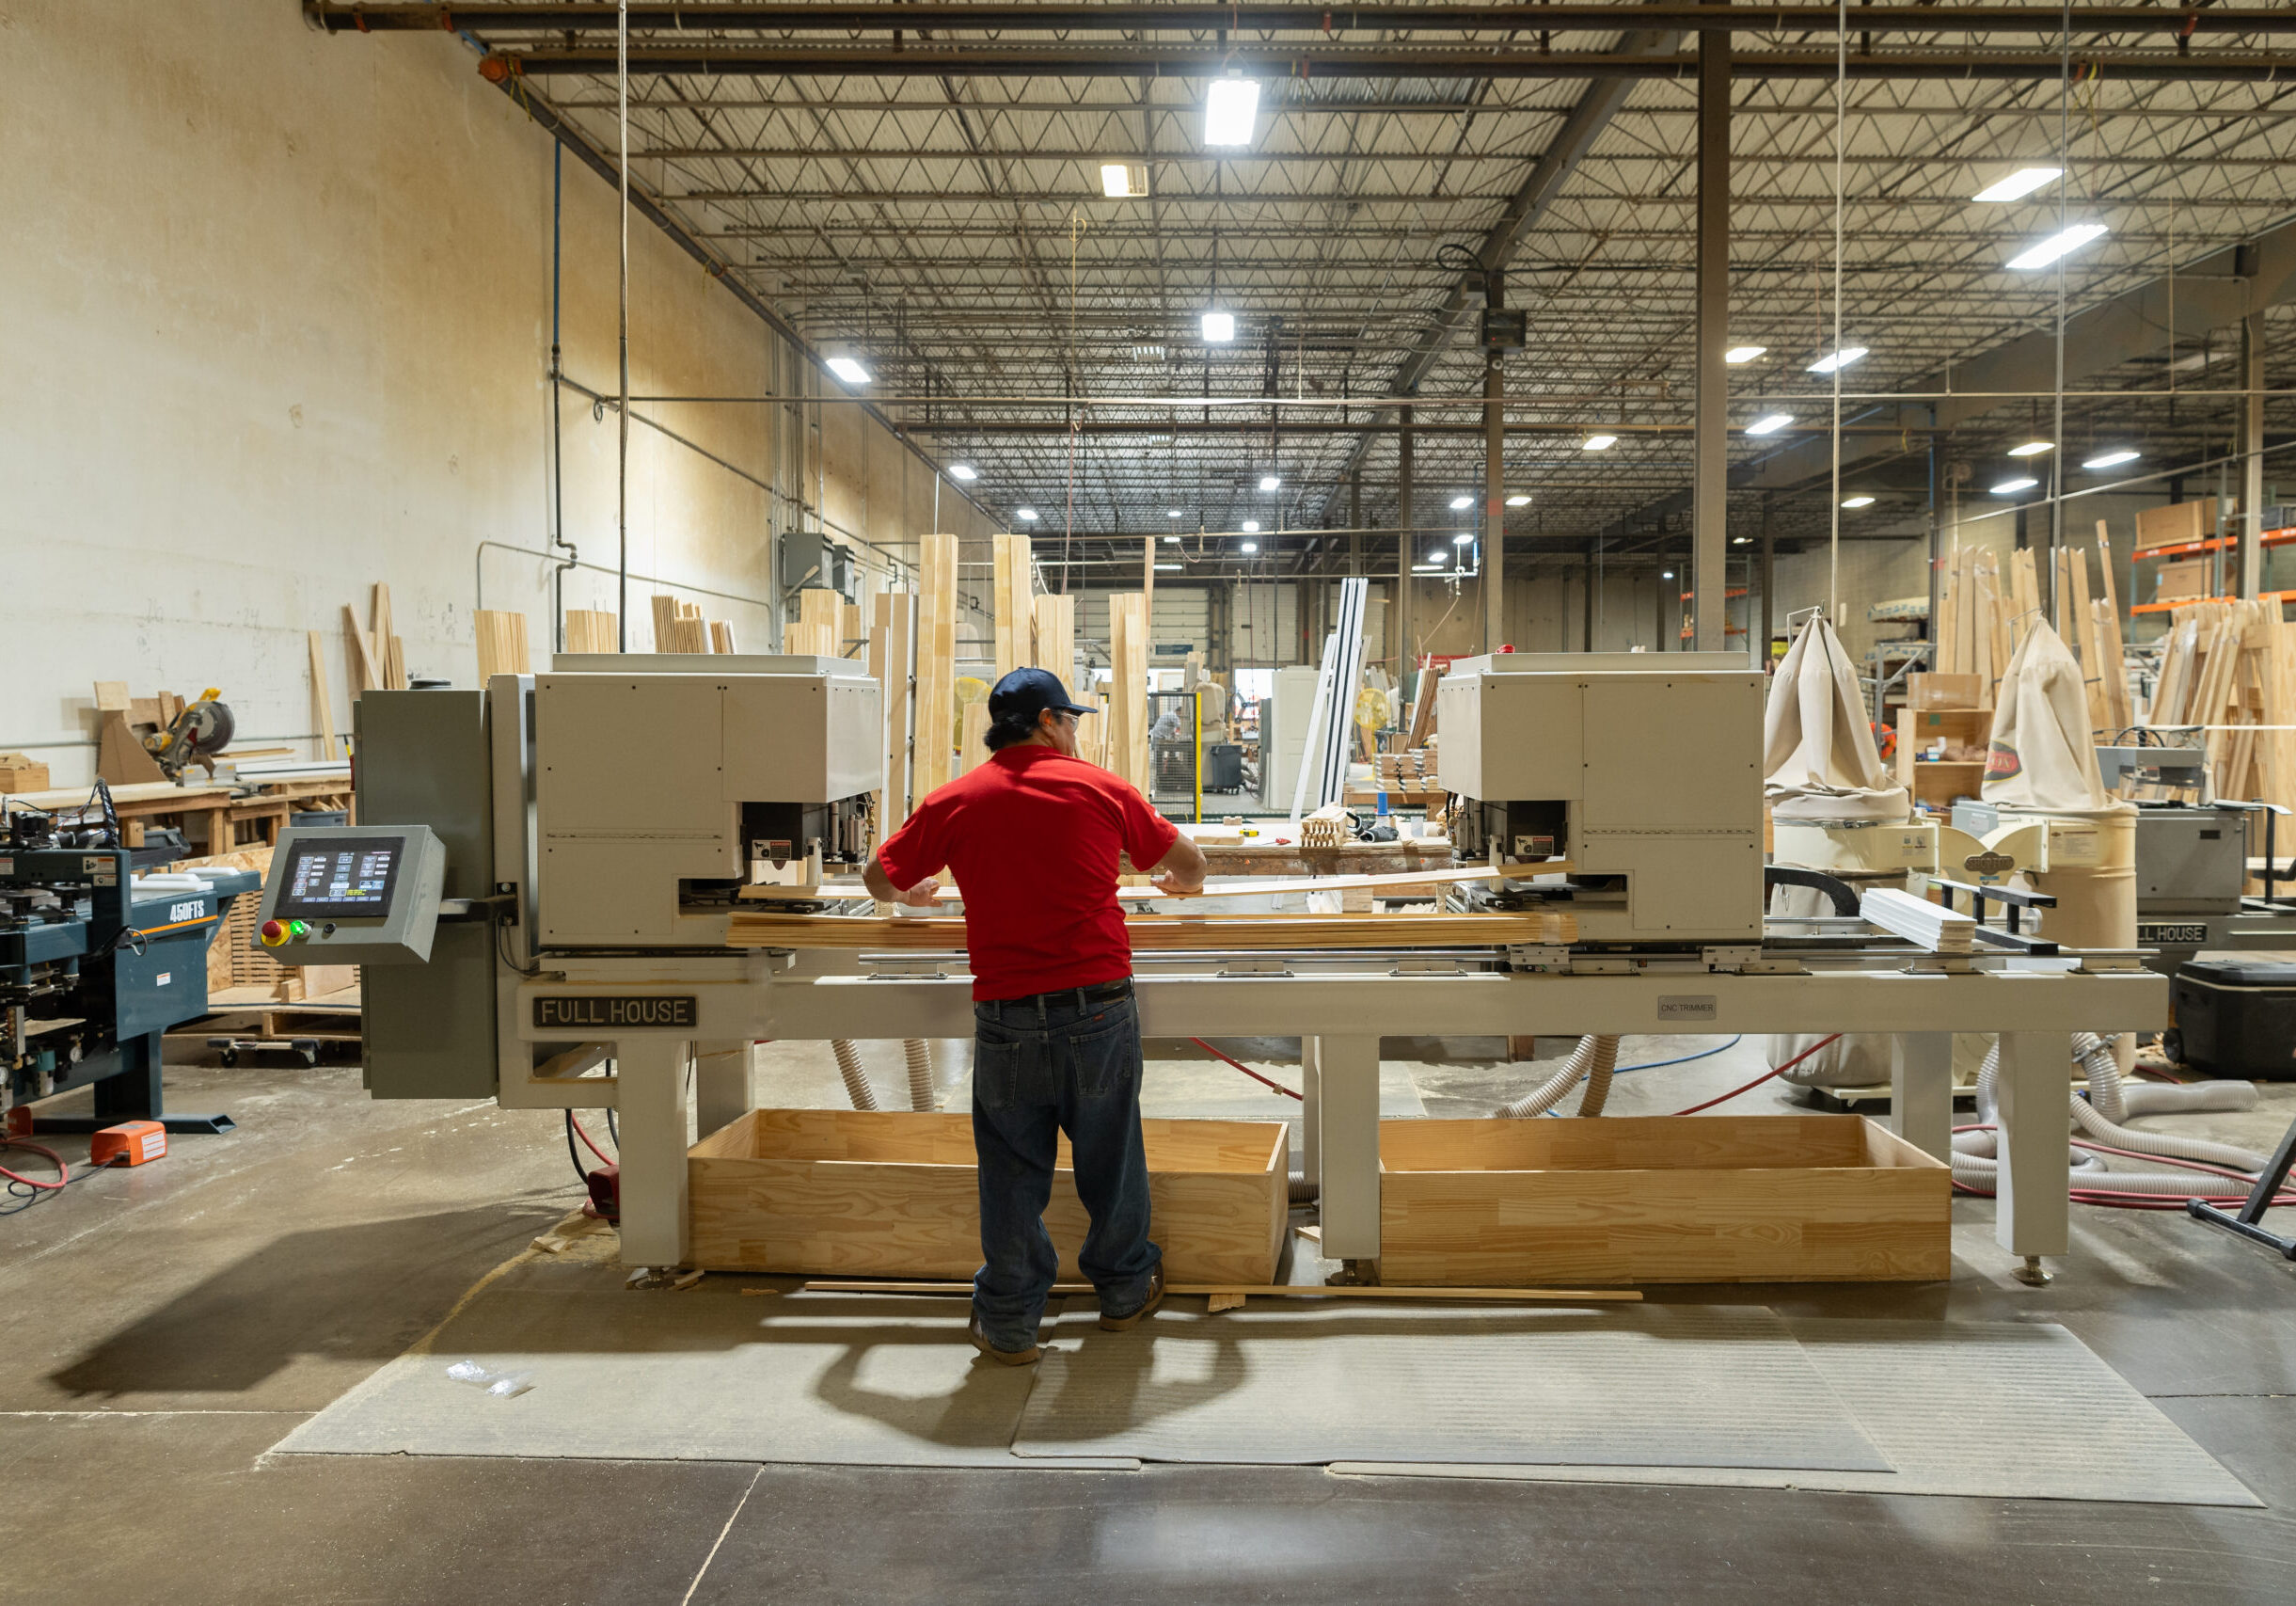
(1125, 1324)
(1002, 1357)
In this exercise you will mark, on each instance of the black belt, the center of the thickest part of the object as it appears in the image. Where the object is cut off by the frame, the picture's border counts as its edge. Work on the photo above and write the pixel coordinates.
(1084, 997)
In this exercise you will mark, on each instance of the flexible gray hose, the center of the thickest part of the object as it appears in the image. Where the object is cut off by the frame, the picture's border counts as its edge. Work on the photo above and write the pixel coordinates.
(2156, 1098)
(1594, 1058)
(1974, 1152)
(920, 1056)
(856, 1080)
(1302, 1191)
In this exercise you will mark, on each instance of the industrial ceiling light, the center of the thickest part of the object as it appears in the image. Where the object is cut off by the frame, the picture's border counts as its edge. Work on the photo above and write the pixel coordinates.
(1171, 540)
(1119, 182)
(1666, 574)
(2010, 487)
(1460, 504)
(2033, 449)
(847, 369)
(2056, 246)
(1229, 107)
(1769, 424)
(1857, 501)
(1251, 546)
(1740, 540)
(1463, 537)
(1167, 568)
(1219, 326)
(1738, 353)
(963, 471)
(1834, 361)
(1598, 443)
(1427, 568)
(1174, 513)
(1520, 499)
(1271, 481)
(1025, 514)
(1252, 526)
(2021, 182)
(2112, 459)
(1437, 558)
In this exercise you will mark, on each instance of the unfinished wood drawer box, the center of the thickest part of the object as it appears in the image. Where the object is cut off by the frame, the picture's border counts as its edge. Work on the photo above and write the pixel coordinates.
(1660, 1198)
(833, 1192)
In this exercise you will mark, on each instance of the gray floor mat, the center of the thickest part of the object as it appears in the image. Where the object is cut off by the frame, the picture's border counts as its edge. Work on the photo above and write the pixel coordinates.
(704, 1374)
(1710, 1386)
(2007, 1409)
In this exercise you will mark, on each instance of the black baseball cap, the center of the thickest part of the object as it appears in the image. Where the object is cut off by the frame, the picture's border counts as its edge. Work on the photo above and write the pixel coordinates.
(1022, 696)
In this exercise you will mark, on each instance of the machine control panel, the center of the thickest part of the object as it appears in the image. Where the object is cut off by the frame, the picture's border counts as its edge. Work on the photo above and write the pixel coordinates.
(353, 894)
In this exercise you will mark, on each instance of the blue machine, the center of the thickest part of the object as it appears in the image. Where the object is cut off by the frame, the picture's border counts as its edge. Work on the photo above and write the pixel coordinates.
(93, 973)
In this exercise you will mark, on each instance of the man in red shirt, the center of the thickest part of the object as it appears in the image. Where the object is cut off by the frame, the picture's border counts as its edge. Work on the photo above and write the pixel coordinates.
(1031, 836)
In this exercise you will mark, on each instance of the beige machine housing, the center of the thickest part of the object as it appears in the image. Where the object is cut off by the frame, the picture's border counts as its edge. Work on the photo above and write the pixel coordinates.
(642, 764)
(1651, 762)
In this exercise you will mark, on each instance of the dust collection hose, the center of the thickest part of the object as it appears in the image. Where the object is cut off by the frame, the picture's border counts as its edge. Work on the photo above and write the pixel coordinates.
(920, 1056)
(1594, 1058)
(856, 1079)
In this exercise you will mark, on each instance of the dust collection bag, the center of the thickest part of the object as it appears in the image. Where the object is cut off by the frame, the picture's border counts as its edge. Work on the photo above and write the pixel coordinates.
(1818, 758)
(2041, 754)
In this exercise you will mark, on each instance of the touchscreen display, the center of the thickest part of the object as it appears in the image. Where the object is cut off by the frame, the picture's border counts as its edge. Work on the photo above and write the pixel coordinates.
(343, 875)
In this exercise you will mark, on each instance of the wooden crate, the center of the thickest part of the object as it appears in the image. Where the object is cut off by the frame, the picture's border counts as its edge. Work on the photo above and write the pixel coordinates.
(2181, 581)
(2177, 524)
(894, 1194)
(1660, 1198)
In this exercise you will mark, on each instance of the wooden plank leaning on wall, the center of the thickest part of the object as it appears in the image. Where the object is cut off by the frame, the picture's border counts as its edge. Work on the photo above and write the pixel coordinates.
(936, 709)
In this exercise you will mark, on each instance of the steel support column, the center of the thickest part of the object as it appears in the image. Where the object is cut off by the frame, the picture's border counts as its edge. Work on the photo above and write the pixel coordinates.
(2252, 455)
(1710, 450)
(1769, 587)
(1494, 504)
(1404, 547)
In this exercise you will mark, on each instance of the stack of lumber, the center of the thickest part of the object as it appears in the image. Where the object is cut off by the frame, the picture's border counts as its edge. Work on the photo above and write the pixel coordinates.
(1012, 609)
(501, 644)
(1928, 925)
(1981, 621)
(1406, 771)
(936, 710)
(592, 631)
(1325, 828)
(2229, 666)
(892, 631)
(378, 656)
(1127, 652)
(678, 627)
(1170, 933)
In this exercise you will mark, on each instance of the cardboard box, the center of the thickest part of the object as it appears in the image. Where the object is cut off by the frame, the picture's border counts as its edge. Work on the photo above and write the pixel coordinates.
(2176, 524)
(2180, 582)
(1944, 690)
(1660, 1198)
(888, 1193)
(19, 773)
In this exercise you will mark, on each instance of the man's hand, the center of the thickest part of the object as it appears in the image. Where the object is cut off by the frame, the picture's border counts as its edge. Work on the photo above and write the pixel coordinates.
(880, 887)
(1180, 872)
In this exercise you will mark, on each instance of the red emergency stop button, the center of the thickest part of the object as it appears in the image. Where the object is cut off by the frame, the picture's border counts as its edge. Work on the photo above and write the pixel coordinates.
(274, 934)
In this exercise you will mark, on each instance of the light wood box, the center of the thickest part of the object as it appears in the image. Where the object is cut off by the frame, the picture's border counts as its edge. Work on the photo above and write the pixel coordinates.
(1967, 733)
(1924, 692)
(2176, 524)
(1660, 1198)
(2176, 581)
(887, 1193)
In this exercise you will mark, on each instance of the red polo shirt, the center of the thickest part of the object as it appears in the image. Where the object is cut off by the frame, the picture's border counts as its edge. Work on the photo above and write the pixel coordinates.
(1031, 836)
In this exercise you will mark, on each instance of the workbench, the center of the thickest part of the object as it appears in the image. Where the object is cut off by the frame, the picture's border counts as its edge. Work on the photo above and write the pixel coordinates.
(1340, 1007)
(211, 814)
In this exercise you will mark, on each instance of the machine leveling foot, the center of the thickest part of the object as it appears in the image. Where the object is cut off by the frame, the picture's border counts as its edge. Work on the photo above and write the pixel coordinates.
(2032, 1273)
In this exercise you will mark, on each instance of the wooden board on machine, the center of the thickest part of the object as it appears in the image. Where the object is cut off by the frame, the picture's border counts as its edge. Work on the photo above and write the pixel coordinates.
(1660, 1198)
(2231, 666)
(1171, 934)
(895, 1194)
(1402, 884)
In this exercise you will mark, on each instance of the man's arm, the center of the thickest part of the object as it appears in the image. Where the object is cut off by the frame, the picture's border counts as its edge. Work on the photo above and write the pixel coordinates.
(1182, 869)
(921, 895)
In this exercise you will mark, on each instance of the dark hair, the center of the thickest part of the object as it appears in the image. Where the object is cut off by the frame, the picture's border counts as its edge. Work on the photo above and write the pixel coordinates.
(1011, 728)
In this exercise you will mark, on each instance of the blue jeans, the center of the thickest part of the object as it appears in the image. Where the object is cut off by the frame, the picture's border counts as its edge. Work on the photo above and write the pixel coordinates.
(1043, 1066)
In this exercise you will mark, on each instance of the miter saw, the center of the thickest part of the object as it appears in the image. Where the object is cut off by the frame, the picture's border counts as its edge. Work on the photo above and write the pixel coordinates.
(195, 736)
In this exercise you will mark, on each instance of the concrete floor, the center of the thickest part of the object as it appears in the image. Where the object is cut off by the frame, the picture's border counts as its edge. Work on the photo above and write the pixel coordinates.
(166, 1325)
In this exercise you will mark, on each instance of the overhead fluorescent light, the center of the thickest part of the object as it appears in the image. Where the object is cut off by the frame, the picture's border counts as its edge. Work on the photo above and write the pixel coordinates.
(2112, 459)
(1171, 540)
(1437, 558)
(1740, 540)
(1666, 574)
(1427, 568)
(2021, 182)
(1857, 501)
(2056, 246)
(1119, 182)
(1459, 504)
(1271, 481)
(963, 471)
(1598, 443)
(1219, 326)
(1520, 499)
(1230, 105)
(2010, 487)
(1252, 525)
(1833, 362)
(1168, 568)
(1770, 424)
(1462, 538)
(847, 369)
(1027, 515)
(2033, 449)
(1738, 353)
(1174, 513)
(1251, 546)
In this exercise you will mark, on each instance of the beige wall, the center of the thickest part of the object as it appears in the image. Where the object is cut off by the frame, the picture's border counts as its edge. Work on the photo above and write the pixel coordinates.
(278, 320)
